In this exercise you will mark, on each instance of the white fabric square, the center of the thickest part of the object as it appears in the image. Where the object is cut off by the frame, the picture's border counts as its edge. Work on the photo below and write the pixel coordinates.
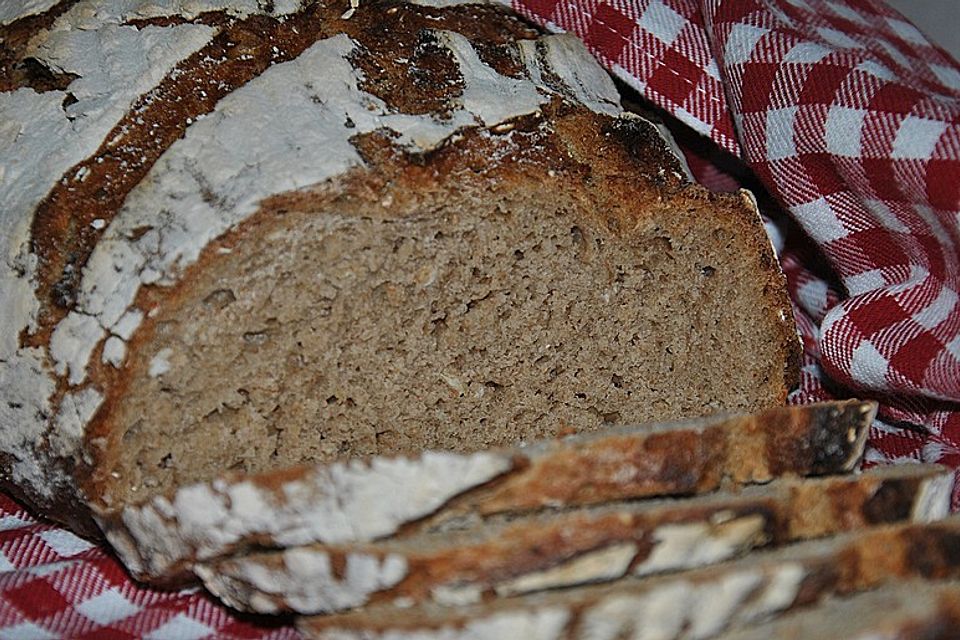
(894, 53)
(180, 627)
(806, 52)
(917, 275)
(26, 631)
(933, 221)
(813, 296)
(712, 69)
(868, 366)
(8, 523)
(5, 564)
(917, 137)
(49, 568)
(741, 42)
(845, 12)
(780, 142)
(662, 21)
(108, 607)
(947, 75)
(843, 130)
(819, 221)
(863, 282)
(934, 451)
(882, 212)
(907, 31)
(954, 347)
(64, 543)
(873, 455)
(838, 38)
(693, 121)
(938, 310)
(877, 70)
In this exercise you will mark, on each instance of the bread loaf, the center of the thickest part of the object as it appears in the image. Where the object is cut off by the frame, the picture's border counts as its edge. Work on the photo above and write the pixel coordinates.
(695, 604)
(468, 561)
(248, 236)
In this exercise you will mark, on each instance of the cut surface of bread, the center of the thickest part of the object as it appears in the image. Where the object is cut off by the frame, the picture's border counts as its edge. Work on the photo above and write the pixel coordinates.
(363, 500)
(695, 604)
(441, 310)
(506, 555)
(282, 237)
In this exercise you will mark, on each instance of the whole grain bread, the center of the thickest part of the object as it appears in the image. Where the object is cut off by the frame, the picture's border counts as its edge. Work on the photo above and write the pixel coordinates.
(694, 604)
(363, 500)
(250, 236)
(467, 561)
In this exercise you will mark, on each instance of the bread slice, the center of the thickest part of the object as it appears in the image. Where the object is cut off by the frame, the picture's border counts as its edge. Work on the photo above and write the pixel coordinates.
(912, 610)
(695, 604)
(363, 500)
(515, 555)
(288, 238)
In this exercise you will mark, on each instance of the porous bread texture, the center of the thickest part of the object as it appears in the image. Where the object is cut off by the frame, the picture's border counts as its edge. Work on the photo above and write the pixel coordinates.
(467, 561)
(280, 240)
(479, 315)
(361, 500)
(695, 604)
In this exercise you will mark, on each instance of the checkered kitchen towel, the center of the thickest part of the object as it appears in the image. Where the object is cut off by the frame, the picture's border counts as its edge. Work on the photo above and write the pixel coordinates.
(850, 119)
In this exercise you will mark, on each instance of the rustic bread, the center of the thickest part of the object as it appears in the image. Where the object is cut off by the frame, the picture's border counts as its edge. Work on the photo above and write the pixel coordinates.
(244, 237)
(465, 561)
(362, 500)
(695, 604)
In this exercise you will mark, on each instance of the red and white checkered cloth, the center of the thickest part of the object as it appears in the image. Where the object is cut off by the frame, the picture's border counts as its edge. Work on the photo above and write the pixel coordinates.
(849, 118)
(56, 585)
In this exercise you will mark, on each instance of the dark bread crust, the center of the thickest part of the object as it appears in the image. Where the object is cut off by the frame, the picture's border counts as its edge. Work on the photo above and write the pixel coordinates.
(488, 555)
(841, 566)
(160, 540)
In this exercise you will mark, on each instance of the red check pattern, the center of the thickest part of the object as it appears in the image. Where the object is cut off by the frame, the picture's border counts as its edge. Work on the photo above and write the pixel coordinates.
(56, 585)
(849, 118)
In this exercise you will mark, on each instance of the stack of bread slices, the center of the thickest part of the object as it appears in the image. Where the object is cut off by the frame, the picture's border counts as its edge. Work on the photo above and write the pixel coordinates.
(383, 318)
(736, 526)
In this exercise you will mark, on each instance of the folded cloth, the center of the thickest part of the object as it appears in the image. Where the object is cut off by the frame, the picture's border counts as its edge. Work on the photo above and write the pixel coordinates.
(848, 117)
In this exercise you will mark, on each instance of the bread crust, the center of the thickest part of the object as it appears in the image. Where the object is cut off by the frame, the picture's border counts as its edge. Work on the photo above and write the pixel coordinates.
(558, 550)
(717, 598)
(354, 501)
(85, 282)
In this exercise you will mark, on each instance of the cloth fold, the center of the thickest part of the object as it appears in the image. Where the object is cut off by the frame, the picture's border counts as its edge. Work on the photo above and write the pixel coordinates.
(847, 116)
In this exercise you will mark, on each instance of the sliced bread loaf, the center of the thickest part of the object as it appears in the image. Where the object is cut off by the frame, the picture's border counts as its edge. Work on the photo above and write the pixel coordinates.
(695, 604)
(363, 500)
(513, 555)
(264, 236)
